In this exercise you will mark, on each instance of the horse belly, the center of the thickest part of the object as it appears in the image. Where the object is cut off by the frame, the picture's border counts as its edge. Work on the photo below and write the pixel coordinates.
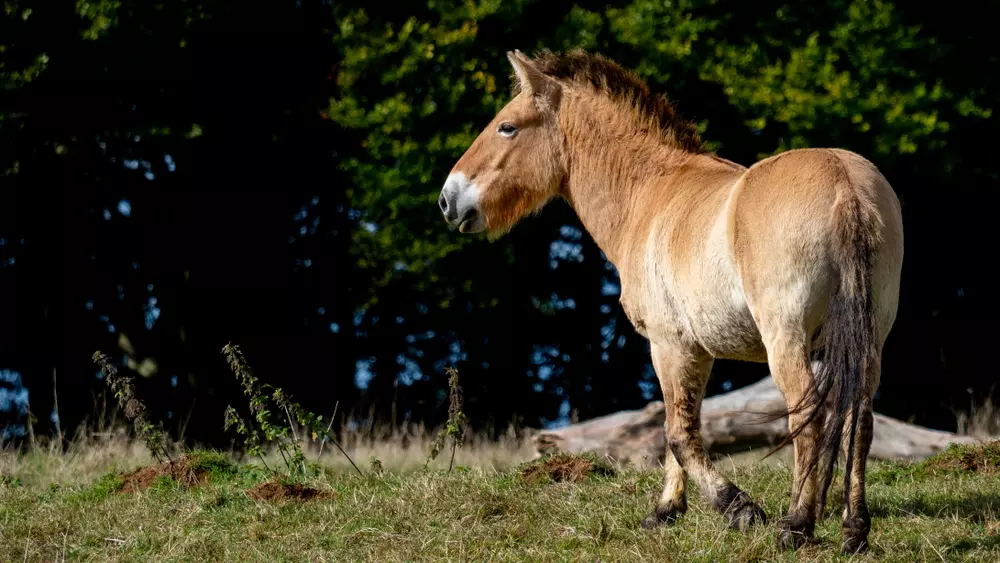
(698, 298)
(725, 329)
(728, 331)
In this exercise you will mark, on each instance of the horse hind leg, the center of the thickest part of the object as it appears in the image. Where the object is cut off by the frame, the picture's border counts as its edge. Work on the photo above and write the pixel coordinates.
(683, 374)
(789, 364)
(856, 522)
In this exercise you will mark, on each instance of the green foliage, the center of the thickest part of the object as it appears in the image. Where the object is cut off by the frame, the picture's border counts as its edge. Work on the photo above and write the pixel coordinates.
(18, 66)
(219, 465)
(416, 93)
(267, 426)
(840, 73)
(251, 437)
(109, 484)
(102, 14)
(163, 483)
(854, 76)
(263, 399)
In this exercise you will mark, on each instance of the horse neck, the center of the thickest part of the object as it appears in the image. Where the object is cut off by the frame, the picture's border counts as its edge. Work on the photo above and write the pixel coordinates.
(608, 171)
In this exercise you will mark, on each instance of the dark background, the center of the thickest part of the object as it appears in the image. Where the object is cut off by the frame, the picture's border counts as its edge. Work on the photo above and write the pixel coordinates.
(175, 176)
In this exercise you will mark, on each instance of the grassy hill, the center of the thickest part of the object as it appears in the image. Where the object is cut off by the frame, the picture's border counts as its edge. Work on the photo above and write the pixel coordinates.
(108, 503)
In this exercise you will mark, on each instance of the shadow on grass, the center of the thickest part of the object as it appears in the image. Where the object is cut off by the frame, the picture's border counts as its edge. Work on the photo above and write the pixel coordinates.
(974, 507)
(984, 543)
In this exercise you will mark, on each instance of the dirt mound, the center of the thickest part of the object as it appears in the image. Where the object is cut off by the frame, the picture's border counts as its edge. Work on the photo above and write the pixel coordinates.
(185, 471)
(977, 458)
(277, 490)
(564, 467)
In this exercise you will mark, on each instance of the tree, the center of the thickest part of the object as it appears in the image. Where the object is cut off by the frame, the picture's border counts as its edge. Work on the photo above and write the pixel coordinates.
(180, 175)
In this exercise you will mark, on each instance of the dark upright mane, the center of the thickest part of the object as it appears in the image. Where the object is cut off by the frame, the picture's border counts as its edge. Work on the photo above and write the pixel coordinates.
(624, 85)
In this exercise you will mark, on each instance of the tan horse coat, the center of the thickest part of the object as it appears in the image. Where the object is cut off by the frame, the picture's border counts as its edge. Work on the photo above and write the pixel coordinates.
(796, 255)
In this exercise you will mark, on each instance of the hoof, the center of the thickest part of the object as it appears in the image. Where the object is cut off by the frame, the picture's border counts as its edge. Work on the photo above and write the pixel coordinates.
(737, 507)
(854, 545)
(746, 516)
(794, 532)
(855, 536)
(662, 516)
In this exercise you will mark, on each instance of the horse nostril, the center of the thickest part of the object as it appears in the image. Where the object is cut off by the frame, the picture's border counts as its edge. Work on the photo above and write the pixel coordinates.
(443, 204)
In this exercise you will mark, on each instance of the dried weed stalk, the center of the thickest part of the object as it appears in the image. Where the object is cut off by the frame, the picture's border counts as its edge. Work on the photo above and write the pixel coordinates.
(135, 409)
(455, 427)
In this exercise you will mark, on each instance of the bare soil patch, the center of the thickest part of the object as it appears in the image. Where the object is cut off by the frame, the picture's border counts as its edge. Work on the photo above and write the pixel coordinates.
(275, 490)
(184, 471)
(564, 468)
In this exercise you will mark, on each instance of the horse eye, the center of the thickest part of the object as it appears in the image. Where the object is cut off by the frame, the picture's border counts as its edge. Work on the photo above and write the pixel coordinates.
(507, 129)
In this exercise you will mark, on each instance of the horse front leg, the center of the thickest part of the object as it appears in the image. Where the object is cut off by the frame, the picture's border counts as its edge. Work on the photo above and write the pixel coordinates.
(683, 373)
(673, 501)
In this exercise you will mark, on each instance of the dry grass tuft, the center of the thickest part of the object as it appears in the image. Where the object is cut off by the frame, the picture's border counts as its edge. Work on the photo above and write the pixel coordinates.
(981, 420)
(976, 458)
(86, 458)
(107, 445)
(407, 447)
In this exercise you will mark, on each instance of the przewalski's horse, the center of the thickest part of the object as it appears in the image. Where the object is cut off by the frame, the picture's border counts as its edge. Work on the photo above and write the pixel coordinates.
(798, 255)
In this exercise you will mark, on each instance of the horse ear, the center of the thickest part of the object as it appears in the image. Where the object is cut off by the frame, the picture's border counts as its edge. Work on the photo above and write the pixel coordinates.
(544, 89)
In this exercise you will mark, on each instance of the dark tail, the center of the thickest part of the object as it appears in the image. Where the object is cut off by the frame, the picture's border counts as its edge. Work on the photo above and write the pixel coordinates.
(851, 346)
(842, 383)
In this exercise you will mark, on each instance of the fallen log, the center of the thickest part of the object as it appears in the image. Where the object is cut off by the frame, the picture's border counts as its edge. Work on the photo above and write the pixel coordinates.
(729, 424)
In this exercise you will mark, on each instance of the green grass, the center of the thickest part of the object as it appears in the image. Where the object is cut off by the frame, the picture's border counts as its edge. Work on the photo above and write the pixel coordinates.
(936, 510)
